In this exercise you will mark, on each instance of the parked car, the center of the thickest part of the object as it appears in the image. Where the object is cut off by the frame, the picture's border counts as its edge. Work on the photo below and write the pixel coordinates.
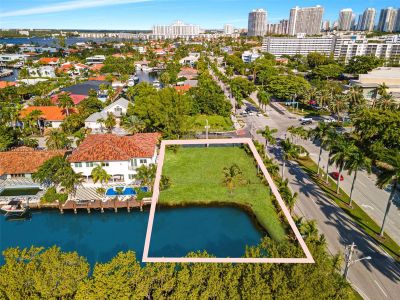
(329, 120)
(335, 175)
(304, 119)
(308, 122)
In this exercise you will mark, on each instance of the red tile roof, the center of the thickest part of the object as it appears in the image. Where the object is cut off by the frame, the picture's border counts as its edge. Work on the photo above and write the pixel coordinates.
(99, 78)
(75, 98)
(182, 88)
(49, 113)
(48, 60)
(4, 84)
(96, 67)
(24, 160)
(109, 147)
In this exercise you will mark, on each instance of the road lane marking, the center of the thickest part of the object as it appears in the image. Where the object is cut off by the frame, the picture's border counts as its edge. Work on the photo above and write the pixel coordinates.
(367, 206)
(380, 288)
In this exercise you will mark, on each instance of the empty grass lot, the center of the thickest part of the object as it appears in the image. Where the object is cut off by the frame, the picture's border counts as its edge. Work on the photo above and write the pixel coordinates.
(197, 178)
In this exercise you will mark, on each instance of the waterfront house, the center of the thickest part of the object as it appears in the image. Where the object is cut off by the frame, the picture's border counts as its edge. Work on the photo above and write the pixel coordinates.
(188, 73)
(42, 71)
(50, 61)
(18, 165)
(120, 156)
(96, 59)
(117, 108)
(52, 116)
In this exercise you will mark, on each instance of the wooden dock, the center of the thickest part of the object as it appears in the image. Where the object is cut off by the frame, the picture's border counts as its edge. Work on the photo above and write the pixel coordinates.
(113, 204)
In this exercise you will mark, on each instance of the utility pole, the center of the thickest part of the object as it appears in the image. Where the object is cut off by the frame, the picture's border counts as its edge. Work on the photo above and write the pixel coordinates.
(349, 258)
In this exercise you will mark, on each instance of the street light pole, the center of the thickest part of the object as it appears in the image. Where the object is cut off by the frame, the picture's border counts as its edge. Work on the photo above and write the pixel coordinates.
(348, 258)
(207, 127)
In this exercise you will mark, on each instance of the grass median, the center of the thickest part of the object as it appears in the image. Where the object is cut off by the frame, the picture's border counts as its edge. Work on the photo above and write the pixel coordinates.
(196, 175)
(356, 213)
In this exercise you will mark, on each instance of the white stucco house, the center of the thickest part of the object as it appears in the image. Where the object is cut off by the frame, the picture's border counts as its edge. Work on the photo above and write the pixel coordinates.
(117, 108)
(120, 156)
(43, 71)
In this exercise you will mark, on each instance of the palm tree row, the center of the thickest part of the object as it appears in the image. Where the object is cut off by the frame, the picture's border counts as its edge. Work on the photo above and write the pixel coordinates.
(348, 157)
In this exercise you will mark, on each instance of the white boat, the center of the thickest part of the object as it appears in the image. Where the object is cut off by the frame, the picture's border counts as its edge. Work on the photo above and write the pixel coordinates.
(15, 207)
(146, 69)
(156, 84)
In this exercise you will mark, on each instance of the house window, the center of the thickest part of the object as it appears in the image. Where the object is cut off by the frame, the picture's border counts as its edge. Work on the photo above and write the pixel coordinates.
(17, 175)
(131, 176)
(118, 110)
(133, 162)
(78, 165)
(143, 161)
(105, 164)
(89, 164)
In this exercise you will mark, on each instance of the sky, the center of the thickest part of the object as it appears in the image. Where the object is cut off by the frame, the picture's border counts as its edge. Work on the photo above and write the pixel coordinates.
(142, 14)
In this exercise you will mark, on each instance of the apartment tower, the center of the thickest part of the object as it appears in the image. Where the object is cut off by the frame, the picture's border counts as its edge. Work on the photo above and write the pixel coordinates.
(387, 19)
(306, 20)
(345, 19)
(257, 22)
(367, 20)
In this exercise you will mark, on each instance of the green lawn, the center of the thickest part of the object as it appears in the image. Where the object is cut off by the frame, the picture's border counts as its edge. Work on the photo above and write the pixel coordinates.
(197, 177)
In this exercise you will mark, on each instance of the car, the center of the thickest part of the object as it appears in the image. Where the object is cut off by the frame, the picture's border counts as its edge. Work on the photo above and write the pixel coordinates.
(329, 120)
(335, 175)
(308, 122)
(304, 119)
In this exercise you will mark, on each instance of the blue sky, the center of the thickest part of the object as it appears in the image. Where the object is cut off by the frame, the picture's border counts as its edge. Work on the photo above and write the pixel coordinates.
(142, 14)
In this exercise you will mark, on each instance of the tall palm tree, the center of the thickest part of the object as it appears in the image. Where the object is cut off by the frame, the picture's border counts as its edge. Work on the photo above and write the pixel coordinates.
(65, 101)
(57, 139)
(290, 200)
(110, 122)
(390, 175)
(357, 161)
(272, 167)
(268, 134)
(290, 151)
(146, 174)
(356, 98)
(329, 143)
(338, 104)
(386, 102)
(320, 133)
(100, 175)
(341, 151)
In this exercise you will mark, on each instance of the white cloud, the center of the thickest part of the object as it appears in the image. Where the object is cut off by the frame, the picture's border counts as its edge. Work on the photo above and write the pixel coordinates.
(67, 5)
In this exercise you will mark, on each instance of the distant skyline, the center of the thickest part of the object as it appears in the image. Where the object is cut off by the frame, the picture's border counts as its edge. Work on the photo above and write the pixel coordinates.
(143, 14)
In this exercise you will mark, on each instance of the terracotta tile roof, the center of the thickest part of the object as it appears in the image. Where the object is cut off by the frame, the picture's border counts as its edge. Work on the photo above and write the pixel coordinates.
(49, 113)
(100, 78)
(4, 84)
(96, 67)
(182, 88)
(75, 98)
(24, 160)
(48, 60)
(109, 147)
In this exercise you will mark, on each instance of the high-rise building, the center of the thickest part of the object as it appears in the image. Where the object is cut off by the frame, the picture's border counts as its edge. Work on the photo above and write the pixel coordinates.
(257, 22)
(387, 19)
(229, 29)
(177, 29)
(367, 20)
(326, 25)
(280, 28)
(397, 25)
(345, 18)
(305, 20)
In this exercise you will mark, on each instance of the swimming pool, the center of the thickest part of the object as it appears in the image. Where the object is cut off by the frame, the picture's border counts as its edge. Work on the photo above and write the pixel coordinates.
(127, 191)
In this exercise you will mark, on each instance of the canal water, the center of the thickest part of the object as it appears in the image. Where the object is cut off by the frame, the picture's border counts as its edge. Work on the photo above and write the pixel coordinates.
(222, 231)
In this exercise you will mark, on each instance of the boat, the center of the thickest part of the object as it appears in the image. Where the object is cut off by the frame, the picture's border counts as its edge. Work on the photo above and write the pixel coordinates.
(15, 207)
(136, 79)
(146, 69)
(156, 84)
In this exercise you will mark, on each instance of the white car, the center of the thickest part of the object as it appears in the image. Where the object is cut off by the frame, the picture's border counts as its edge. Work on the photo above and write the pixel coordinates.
(329, 120)
(305, 119)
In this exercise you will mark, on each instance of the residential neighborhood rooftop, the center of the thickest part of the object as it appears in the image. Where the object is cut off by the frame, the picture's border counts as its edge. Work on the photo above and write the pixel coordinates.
(109, 147)
(49, 113)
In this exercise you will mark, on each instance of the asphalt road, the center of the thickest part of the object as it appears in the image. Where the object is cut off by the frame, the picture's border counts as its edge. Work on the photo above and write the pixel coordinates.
(378, 278)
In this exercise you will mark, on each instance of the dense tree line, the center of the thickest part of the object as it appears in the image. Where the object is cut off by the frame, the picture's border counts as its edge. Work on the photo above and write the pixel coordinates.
(53, 274)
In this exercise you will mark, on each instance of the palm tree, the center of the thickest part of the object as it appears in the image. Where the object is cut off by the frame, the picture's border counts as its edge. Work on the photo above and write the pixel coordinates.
(390, 175)
(272, 167)
(133, 124)
(100, 121)
(110, 122)
(65, 101)
(264, 98)
(99, 174)
(233, 176)
(267, 133)
(320, 133)
(329, 143)
(290, 151)
(386, 102)
(355, 162)
(356, 98)
(290, 200)
(146, 174)
(341, 151)
(338, 104)
(57, 139)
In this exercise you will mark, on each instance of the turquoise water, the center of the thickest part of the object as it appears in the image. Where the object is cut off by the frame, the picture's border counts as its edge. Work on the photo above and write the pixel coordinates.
(222, 231)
